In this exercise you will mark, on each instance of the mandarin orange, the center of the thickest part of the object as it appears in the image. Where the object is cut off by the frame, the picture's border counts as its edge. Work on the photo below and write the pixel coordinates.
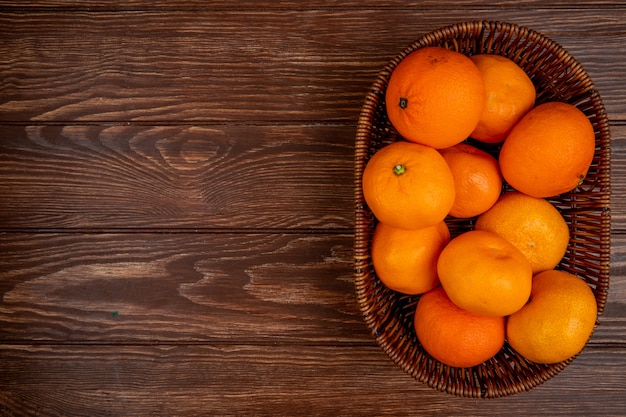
(477, 179)
(557, 321)
(485, 274)
(532, 224)
(407, 185)
(405, 260)
(435, 97)
(549, 151)
(509, 92)
(455, 336)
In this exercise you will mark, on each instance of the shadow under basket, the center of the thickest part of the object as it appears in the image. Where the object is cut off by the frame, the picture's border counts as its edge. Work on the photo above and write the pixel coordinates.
(557, 76)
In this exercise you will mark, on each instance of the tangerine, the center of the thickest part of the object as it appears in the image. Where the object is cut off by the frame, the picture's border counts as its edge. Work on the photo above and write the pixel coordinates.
(549, 151)
(557, 321)
(532, 224)
(435, 97)
(455, 336)
(510, 94)
(405, 260)
(477, 179)
(408, 185)
(485, 274)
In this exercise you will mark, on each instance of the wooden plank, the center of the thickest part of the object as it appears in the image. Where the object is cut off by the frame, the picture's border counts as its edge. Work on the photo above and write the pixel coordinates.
(211, 66)
(192, 177)
(178, 287)
(69, 5)
(141, 273)
(290, 380)
(220, 287)
(614, 320)
(618, 178)
(156, 177)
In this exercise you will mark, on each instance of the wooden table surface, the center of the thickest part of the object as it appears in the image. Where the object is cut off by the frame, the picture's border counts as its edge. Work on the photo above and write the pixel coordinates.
(176, 207)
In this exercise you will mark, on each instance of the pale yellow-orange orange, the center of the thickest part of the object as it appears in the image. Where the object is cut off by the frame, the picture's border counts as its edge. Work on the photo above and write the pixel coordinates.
(509, 92)
(532, 224)
(558, 320)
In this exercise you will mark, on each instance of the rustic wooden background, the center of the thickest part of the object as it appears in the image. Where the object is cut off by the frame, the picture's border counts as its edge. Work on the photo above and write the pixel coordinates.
(176, 214)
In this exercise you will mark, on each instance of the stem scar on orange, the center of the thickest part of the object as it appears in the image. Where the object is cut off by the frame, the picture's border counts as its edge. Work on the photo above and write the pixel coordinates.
(435, 97)
(409, 186)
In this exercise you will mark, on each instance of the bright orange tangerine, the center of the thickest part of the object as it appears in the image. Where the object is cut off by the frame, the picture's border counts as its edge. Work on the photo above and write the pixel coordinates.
(408, 186)
(405, 260)
(485, 274)
(477, 179)
(455, 336)
(549, 151)
(435, 97)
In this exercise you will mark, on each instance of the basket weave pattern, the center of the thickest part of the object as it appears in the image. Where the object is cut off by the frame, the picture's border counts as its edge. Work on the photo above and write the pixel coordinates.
(557, 77)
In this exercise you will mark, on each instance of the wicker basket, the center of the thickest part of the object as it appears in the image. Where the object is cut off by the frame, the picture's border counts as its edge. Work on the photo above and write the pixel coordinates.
(557, 77)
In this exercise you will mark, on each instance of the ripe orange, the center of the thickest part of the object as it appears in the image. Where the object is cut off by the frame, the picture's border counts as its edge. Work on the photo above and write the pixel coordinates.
(549, 150)
(532, 224)
(408, 185)
(435, 97)
(406, 260)
(455, 336)
(510, 94)
(477, 179)
(557, 321)
(485, 274)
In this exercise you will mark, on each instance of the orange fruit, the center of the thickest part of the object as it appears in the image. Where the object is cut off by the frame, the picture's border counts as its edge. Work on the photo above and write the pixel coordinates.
(485, 274)
(435, 97)
(549, 150)
(510, 94)
(557, 321)
(408, 185)
(477, 179)
(405, 260)
(532, 224)
(455, 336)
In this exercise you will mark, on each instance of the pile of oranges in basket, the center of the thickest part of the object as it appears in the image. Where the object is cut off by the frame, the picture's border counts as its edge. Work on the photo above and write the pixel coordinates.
(500, 280)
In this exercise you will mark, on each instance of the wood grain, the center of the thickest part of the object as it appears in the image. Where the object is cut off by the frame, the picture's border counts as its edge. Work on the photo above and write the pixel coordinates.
(114, 288)
(192, 177)
(174, 287)
(285, 380)
(160, 177)
(618, 178)
(177, 5)
(215, 66)
(176, 207)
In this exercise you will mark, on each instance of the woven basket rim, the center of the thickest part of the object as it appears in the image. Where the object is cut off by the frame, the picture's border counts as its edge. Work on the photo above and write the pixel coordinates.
(382, 309)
